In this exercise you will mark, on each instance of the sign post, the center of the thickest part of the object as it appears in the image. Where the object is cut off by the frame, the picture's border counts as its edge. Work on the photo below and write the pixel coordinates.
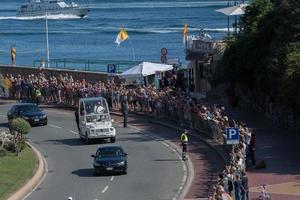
(232, 136)
(111, 69)
(163, 55)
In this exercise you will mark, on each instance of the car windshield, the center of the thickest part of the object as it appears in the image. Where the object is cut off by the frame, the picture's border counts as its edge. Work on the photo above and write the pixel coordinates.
(94, 107)
(29, 108)
(109, 152)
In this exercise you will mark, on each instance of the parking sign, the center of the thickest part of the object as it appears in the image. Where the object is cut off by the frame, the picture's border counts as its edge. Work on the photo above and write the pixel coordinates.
(232, 136)
(111, 68)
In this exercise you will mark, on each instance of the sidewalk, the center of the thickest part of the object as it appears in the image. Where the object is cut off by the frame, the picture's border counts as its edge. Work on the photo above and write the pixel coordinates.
(207, 157)
(279, 148)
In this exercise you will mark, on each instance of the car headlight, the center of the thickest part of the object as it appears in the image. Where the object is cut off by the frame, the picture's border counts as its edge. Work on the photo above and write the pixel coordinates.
(111, 129)
(26, 118)
(44, 116)
(121, 163)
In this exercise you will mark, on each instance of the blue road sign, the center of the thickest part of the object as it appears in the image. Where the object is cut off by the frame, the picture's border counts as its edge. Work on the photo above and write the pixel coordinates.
(111, 68)
(232, 136)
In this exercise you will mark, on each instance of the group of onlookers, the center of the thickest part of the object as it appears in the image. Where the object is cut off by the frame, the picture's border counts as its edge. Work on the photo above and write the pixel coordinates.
(170, 103)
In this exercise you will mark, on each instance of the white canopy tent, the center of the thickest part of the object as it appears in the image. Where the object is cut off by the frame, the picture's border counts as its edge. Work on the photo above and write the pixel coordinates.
(233, 10)
(145, 69)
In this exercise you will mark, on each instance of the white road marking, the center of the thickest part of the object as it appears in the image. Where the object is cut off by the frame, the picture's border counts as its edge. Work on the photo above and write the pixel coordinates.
(106, 187)
(74, 132)
(112, 178)
(164, 143)
(3, 116)
(54, 126)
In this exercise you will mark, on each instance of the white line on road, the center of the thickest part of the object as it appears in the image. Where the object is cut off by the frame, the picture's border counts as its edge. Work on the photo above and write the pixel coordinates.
(112, 178)
(106, 187)
(2, 115)
(74, 132)
(53, 126)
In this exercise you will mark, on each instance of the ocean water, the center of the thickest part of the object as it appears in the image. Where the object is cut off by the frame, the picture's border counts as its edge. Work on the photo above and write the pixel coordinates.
(151, 25)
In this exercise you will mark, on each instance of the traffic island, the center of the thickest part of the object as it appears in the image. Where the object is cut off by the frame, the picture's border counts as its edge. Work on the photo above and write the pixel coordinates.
(15, 171)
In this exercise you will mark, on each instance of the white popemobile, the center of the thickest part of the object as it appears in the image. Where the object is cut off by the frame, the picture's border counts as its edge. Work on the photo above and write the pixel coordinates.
(94, 120)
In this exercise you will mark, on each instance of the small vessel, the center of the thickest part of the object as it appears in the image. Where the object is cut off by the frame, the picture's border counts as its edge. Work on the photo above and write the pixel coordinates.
(36, 8)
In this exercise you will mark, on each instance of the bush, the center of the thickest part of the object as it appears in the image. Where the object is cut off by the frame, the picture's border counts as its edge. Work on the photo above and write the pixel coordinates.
(3, 152)
(19, 127)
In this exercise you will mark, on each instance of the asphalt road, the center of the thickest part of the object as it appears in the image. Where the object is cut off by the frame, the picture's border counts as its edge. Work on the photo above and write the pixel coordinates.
(155, 171)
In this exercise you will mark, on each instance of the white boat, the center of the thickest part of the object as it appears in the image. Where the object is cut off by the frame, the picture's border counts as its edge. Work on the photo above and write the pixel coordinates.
(36, 8)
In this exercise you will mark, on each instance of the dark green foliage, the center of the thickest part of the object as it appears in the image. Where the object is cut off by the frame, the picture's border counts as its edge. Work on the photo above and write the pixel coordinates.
(20, 125)
(265, 57)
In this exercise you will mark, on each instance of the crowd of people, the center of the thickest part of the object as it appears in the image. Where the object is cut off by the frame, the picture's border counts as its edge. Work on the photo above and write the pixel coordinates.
(171, 102)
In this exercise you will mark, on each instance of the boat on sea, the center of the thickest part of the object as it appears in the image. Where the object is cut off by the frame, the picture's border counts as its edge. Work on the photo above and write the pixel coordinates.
(35, 8)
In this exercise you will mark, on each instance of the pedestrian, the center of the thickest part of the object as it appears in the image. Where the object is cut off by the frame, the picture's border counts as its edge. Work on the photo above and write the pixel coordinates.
(77, 118)
(237, 186)
(38, 96)
(252, 148)
(184, 141)
(244, 187)
(124, 108)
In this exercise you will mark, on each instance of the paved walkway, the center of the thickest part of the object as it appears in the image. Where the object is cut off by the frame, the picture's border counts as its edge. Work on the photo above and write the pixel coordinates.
(279, 148)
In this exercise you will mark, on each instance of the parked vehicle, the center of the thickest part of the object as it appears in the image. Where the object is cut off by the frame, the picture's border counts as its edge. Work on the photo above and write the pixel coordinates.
(94, 120)
(28, 111)
(110, 158)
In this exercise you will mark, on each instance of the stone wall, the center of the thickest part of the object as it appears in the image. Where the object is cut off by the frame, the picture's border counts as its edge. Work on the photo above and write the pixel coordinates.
(77, 75)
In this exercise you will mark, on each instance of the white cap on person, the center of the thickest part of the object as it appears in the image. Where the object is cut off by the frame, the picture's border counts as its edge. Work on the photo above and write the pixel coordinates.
(70, 198)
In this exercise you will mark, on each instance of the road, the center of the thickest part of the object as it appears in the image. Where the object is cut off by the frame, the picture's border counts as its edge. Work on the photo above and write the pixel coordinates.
(155, 171)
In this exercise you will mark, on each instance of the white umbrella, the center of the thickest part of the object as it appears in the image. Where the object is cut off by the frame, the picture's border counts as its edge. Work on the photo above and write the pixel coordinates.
(145, 69)
(233, 10)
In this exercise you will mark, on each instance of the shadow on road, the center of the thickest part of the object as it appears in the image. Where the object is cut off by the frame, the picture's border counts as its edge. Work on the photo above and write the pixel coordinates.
(84, 172)
(74, 142)
(89, 172)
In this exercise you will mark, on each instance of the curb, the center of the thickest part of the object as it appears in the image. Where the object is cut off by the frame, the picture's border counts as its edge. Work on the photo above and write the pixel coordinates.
(37, 178)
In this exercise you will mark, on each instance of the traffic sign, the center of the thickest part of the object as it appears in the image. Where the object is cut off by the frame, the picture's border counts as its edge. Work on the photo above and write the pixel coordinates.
(232, 136)
(111, 68)
(164, 51)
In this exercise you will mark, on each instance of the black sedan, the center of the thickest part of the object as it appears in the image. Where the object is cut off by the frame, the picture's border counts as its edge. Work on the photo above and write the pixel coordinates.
(28, 111)
(110, 158)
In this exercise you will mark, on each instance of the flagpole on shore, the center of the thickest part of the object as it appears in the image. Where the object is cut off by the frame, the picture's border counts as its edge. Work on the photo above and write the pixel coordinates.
(132, 48)
(47, 43)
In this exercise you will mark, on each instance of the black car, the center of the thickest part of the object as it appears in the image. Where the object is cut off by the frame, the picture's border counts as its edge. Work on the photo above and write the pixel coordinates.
(28, 111)
(110, 158)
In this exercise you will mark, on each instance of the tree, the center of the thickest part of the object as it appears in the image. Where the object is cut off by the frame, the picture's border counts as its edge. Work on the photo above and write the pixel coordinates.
(19, 127)
(265, 58)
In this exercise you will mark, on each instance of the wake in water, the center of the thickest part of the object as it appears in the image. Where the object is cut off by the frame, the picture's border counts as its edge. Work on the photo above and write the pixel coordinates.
(54, 17)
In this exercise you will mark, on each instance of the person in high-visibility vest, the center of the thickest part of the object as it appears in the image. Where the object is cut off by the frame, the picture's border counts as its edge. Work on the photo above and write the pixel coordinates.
(38, 96)
(184, 141)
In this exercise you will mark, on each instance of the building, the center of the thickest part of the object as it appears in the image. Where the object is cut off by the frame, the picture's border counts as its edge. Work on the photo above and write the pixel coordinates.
(203, 53)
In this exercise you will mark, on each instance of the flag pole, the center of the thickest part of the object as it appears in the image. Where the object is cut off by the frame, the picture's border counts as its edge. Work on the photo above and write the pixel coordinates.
(47, 43)
(132, 48)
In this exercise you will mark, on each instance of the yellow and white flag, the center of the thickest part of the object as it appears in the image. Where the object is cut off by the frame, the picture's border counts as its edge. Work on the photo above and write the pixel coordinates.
(122, 36)
(185, 30)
